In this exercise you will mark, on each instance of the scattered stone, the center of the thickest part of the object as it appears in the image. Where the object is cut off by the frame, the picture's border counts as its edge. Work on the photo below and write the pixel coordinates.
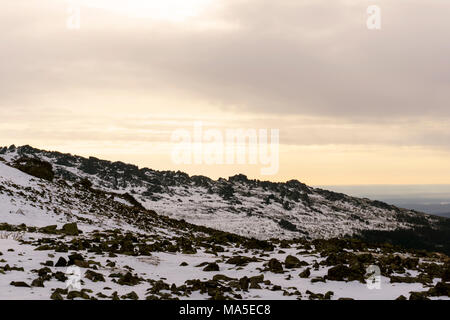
(39, 282)
(56, 296)
(305, 274)
(241, 260)
(70, 229)
(19, 284)
(275, 266)
(128, 279)
(94, 276)
(61, 262)
(132, 295)
(212, 267)
(291, 262)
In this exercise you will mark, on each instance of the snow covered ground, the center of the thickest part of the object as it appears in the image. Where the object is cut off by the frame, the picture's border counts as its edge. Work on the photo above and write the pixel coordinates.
(51, 232)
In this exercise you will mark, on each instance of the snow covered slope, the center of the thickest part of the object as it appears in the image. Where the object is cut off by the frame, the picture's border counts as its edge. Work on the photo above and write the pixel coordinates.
(259, 209)
(57, 227)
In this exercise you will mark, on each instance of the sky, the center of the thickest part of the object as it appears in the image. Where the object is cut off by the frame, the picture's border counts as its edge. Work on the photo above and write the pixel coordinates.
(353, 106)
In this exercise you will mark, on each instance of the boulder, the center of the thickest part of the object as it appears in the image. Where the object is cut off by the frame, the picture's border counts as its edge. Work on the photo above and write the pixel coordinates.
(70, 229)
(291, 262)
(275, 266)
(211, 267)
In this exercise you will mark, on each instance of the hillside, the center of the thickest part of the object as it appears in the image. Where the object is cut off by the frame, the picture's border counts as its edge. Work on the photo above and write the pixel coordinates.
(259, 209)
(58, 211)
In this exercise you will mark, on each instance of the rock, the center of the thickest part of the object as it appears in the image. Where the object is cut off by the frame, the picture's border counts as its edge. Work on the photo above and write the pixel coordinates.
(440, 289)
(61, 262)
(60, 276)
(183, 264)
(44, 271)
(344, 273)
(212, 267)
(49, 229)
(48, 263)
(316, 266)
(19, 284)
(94, 276)
(77, 294)
(221, 277)
(35, 167)
(73, 258)
(56, 296)
(402, 297)
(305, 274)
(318, 279)
(291, 262)
(39, 282)
(70, 229)
(128, 279)
(255, 281)
(276, 288)
(115, 296)
(446, 274)
(275, 266)
(418, 296)
(244, 283)
(328, 295)
(132, 295)
(240, 260)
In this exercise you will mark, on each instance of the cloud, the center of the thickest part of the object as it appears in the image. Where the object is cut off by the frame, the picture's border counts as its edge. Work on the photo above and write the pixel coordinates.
(292, 58)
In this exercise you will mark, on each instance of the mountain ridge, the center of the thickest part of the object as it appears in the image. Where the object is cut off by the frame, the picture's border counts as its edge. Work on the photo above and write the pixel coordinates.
(260, 209)
(125, 250)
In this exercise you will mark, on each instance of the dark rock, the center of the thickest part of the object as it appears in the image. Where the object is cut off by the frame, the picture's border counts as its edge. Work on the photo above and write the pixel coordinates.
(440, 289)
(212, 267)
(56, 296)
(70, 229)
(49, 229)
(221, 277)
(240, 260)
(128, 279)
(132, 295)
(275, 266)
(19, 284)
(244, 283)
(73, 258)
(61, 262)
(344, 273)
(418, 296)
(291, 262)
(94, 276)
(60, 276)
(39, 282)
(305, 274)
(35, 167)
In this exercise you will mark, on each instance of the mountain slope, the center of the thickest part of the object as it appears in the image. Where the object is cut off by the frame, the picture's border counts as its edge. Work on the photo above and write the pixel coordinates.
(52, 222)
(259, 209)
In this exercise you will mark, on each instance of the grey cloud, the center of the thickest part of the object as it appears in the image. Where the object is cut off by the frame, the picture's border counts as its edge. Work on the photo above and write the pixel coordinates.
(286, 57)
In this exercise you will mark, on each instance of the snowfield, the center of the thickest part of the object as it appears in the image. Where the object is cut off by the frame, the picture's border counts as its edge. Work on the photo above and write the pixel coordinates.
(179, 243)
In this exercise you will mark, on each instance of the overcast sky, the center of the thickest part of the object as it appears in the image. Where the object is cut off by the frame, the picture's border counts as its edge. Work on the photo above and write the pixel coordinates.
(353, 105)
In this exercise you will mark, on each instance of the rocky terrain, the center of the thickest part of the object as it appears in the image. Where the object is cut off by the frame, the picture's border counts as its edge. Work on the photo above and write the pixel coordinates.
(126, 233)
(254, 208)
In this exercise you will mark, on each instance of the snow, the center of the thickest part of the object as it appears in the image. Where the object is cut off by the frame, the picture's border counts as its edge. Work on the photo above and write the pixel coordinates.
(38, 203)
